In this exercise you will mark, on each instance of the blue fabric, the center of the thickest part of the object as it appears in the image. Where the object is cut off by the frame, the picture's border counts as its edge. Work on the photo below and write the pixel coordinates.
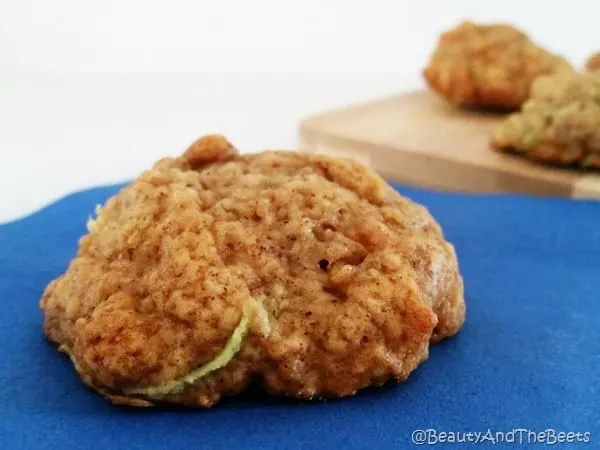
(527, 357)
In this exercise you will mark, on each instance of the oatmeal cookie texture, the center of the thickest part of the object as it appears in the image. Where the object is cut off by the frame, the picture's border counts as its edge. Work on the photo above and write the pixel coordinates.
(560, 124)
(306, 274)
(488, 66)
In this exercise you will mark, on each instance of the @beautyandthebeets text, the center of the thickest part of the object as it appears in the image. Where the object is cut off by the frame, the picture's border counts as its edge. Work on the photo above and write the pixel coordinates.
(516, 436)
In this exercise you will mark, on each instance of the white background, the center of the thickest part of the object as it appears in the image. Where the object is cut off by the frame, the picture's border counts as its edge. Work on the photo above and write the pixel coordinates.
(94, 91)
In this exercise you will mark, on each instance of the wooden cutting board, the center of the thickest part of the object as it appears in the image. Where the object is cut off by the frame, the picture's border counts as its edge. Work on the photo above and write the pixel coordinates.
(419, 139)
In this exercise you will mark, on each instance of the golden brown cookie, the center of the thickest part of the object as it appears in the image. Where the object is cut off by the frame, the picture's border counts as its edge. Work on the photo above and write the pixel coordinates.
(559, 124)
(488, 66)
(306, 274)
(593, 62)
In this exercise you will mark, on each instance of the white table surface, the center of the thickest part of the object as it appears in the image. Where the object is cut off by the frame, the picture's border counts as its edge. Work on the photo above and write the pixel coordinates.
(64, 133)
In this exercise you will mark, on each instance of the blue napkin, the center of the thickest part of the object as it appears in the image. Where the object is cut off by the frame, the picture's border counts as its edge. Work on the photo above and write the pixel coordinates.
(528, 357)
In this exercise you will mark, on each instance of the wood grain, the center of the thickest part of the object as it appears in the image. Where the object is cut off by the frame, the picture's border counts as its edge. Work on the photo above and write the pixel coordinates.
(420, 140)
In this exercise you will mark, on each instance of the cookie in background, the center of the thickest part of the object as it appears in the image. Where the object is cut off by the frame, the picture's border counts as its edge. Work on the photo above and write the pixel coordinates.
(559, 124)
(593, 62)
(488, 66)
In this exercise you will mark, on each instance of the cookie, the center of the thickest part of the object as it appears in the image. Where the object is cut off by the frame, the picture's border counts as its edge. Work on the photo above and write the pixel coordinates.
(489, 66)
(304, 274)
(560, 124)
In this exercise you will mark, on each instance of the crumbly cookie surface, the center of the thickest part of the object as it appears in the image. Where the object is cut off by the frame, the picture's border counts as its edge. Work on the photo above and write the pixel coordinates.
(560, 124)
(343, 281)
(488, 66)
